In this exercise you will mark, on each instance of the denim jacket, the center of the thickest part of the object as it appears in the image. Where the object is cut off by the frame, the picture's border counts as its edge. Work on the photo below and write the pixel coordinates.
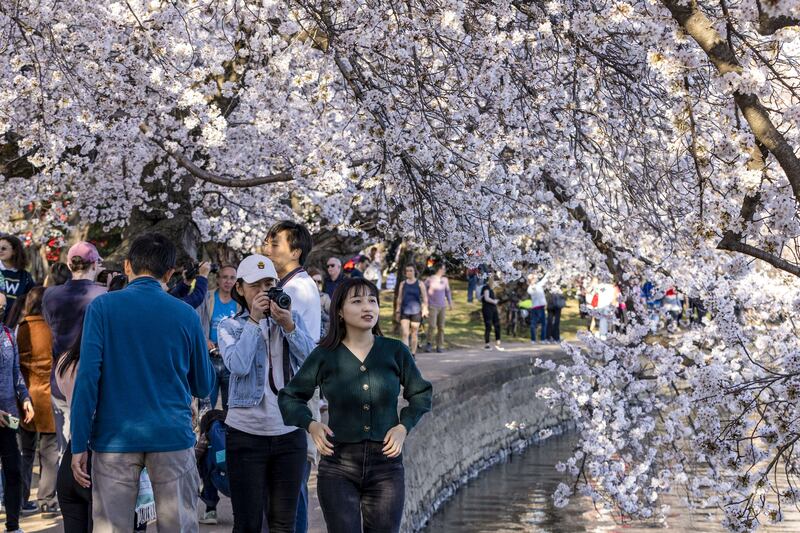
(12, 387)
(244, 352)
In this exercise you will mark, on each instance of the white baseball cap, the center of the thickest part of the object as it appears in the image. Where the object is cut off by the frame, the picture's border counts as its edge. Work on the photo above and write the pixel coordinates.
(256, 267)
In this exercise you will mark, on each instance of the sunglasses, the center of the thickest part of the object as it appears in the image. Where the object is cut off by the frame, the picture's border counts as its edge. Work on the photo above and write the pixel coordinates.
(331, 266)
(317, 280)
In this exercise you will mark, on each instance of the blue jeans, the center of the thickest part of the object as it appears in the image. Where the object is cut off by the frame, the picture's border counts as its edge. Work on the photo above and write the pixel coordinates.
(472, 286)
(301, 524)
(538, 318)
(359, 480)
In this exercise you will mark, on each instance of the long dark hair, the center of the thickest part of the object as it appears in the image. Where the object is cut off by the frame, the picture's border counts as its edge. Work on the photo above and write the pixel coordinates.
(239, 298)
(73, 355)
(19, 260)
(33, 301)
(337, 329)
(59, 274)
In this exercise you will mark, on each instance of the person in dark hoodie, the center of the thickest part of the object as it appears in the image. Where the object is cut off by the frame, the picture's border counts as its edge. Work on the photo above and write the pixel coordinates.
(63, 307)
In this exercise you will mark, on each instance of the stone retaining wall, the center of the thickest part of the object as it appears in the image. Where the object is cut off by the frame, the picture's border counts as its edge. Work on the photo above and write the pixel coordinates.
(467, 430)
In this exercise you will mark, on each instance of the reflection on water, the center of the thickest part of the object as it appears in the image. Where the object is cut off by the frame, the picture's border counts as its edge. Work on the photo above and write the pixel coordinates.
(515, 496)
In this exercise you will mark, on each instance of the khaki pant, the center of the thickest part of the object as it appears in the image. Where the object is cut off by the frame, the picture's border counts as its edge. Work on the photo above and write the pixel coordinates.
(115, 485)
(436, 324)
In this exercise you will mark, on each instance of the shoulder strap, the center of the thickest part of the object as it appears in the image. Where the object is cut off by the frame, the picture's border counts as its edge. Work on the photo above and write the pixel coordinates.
(289, 276)
(8, 334)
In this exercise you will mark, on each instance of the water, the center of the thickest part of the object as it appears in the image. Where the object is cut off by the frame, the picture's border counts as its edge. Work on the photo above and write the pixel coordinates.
(515, 496)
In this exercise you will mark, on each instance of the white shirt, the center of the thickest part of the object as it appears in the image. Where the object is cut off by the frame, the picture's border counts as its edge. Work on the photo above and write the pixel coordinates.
(305, 300)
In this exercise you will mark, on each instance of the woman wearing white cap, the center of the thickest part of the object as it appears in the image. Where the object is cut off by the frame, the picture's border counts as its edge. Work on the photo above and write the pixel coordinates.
(262, 346)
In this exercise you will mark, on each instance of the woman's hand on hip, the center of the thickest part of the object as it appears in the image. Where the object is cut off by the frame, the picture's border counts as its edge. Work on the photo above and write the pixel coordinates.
(319, 433)
(393, 441)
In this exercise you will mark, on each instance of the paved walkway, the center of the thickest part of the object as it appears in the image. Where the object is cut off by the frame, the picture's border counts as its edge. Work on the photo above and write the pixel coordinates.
(435, 367)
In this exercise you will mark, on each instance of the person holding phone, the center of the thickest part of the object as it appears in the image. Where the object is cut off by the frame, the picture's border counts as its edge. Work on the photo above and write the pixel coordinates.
(12, 392)
(361, 480)
(262, 347)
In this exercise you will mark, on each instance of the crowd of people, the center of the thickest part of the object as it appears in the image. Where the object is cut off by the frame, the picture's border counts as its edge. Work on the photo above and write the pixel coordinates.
(146, 398)
(144, 393)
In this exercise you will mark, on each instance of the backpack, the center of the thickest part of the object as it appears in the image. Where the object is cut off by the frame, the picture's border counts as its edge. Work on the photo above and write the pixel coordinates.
(215, 457)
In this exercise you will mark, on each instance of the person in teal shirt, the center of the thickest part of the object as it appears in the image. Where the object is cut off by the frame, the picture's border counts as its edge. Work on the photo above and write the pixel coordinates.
(218, 306)
(361, 480)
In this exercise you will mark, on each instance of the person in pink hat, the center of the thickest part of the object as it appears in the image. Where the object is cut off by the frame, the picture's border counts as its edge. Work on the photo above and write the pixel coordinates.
(63, 309)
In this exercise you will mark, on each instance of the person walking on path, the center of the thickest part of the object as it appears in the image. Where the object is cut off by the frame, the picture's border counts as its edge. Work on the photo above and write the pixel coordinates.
(143, 357)
(439, 297)
(556, 301)
(12, 393)
(288, 245)
(491, 318)
(360, 482)
(335, 275)
(538, 306)
(16, 280)
(262, 347)
(63, 308)
(36, 360)
(375, 267)
(472, 283)
(411, 308)
(219, 305)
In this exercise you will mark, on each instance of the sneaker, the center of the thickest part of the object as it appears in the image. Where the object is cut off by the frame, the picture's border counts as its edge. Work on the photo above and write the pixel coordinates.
(439, 350)
(487, 347)
(209, 518)
(499, 346)
(50, 511)
(427, 348)
(29, 508)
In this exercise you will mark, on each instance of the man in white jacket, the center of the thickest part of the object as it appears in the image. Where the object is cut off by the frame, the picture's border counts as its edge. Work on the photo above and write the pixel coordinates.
(538, 304)
(288, 245)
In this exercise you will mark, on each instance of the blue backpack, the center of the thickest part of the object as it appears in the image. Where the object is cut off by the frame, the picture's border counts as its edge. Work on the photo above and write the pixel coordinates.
(215, 457)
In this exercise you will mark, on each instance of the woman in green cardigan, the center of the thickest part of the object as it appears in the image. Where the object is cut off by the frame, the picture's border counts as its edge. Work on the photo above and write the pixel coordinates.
(361, 476)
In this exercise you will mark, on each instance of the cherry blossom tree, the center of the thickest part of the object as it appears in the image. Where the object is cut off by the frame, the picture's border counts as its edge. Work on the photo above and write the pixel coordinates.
(644, 140)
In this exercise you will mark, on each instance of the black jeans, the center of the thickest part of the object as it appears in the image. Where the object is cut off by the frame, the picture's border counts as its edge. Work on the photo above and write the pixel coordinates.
(491, 318)
(75, 501)
(359, 481)
(223, 379)
(12, 477)
(553, 324)
(265, 473)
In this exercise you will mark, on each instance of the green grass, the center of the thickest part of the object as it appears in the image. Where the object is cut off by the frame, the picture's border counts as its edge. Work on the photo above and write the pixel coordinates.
(464, 325)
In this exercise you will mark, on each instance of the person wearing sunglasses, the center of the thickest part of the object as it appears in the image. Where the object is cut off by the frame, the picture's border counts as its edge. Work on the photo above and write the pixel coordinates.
(16, 280)
(335, 276)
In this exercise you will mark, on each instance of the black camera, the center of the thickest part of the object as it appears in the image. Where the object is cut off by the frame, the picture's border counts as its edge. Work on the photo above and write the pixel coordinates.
(190, 272)
(283, 300)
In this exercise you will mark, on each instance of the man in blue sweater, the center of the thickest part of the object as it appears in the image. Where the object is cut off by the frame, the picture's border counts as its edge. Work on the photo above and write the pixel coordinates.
(143, 357)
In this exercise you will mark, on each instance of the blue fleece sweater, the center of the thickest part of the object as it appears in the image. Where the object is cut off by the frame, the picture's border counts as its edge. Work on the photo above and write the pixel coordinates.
(143, 357)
